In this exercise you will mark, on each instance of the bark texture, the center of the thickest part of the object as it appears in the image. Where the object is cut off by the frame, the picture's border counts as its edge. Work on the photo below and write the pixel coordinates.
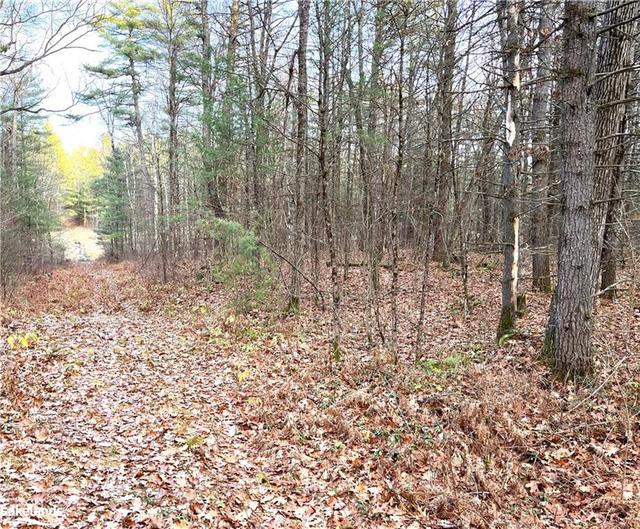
(612, 86)
(578, 254)
(540, 225)
(510, 10)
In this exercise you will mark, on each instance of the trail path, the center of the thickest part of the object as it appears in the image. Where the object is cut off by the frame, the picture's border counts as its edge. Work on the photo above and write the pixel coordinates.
(80, 243)
(131, 422)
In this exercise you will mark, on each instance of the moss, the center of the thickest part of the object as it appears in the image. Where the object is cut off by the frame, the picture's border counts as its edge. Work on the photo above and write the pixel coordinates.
(506, 326)
(335, 350)
(449, 364)
(548, 351)
(293, 306)
(522, 309)
(578, 372)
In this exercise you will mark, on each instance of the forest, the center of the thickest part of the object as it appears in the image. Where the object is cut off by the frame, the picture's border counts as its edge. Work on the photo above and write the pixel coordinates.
(322, 263)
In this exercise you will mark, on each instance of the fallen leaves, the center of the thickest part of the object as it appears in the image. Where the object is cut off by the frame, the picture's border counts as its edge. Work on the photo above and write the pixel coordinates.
(141, 405)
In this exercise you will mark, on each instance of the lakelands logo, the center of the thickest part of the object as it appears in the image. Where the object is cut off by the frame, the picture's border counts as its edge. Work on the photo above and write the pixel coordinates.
(36, 514)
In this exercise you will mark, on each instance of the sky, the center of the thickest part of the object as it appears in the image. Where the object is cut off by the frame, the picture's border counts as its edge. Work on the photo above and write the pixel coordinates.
(62, 76)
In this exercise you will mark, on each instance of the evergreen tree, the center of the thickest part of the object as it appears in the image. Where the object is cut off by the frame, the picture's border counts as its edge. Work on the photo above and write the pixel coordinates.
(114, 216)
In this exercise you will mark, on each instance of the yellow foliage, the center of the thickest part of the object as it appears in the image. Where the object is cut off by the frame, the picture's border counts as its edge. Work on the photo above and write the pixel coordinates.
(76, 169)
(82, 167)
(22, 340)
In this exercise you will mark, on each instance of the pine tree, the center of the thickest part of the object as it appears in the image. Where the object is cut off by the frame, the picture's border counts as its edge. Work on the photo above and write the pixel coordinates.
(114, 215)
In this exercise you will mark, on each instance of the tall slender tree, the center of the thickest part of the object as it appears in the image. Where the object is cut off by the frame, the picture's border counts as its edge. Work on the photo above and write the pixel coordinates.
(444, 175)
(611, 92)
(540, 152)
(299, 182)
(509, 11)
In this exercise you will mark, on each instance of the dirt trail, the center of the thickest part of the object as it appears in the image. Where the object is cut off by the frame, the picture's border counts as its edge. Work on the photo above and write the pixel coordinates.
(128, 423)
(80, 243)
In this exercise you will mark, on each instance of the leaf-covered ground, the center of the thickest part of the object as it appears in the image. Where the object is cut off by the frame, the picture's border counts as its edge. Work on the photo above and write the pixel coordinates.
(130, 404)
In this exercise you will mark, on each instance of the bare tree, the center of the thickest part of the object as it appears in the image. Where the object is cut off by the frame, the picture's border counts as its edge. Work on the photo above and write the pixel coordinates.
(444, 175)
(301, 138)
(65, 23)
(511, 41)
(323, 166)
(540, 151)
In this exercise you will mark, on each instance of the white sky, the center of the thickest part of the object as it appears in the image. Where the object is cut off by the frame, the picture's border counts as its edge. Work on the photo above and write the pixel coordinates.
(62, 75)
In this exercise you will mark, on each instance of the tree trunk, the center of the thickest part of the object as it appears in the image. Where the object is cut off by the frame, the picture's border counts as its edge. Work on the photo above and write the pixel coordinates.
(395, 243)
(147, 193)
(323, 166)
(587, 181)
(259, 129)
(357, 97)
(612, 87)
(610, 245)
(373, 166)
(172, 114)
(213, 193)
(301, 138)
(578, 253)
(511, 148)
(540, 224)
(444, 175)
(484, 169)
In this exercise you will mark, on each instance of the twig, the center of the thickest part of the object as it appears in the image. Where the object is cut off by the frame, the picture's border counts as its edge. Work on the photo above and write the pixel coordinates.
(277, 254)
(606, 379)
(611, 287)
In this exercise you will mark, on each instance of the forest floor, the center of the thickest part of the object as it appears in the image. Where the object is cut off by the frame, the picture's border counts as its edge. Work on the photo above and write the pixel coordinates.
(127, 403)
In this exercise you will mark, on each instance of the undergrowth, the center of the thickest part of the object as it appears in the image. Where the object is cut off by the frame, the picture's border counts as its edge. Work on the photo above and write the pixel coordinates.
(242, 265)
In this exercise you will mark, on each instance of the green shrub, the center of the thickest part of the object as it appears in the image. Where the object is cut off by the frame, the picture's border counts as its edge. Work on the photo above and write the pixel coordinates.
(242, 264)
